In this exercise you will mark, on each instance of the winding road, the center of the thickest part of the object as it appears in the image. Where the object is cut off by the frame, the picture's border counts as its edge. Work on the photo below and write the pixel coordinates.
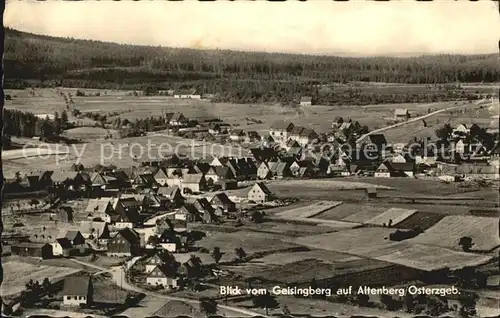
(412, 120)
(118, 276)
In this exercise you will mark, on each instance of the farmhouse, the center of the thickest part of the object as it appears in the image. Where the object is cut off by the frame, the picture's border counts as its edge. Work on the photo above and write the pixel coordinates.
(72, 179)
(169, 241)
(217, 173)
(195, 182)
(160, 276)
(173, 194)
(125, 243)
(43, 250)
(237, 135)
(280, 130)
(260, 193)
(203, 206)
(189, 213)
(77, 291)
(128, 210)
(263, 154)
(383, 171)
(401, 113)
(302, 135)
(61, 247)
(76, 239)
(306, 101)
(178, 119)
(145, 180)
(159, 258)
(221, 200)
(461, 131)
(95, 230)
(100, 208)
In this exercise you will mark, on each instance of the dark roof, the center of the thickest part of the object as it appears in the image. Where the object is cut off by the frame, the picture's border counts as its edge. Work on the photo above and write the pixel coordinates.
(263, 187)
(262, 154)
(129, 234)
(190, 208)
(223, 198)
(128, 202)
(281, 125)
(297, 130)
(204, 204)
(192, 178)
(406, 166)
(64, 242)
(378, 139)
(307, 132)
(222, 171)
(76, 285)
(71, 235)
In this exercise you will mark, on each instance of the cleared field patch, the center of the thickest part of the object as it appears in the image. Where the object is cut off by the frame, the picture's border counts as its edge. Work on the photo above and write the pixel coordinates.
(367, 242)
(396, 215)
(16, 274)
(291, 257)
(422, 220)
(306, 270)
(251, 242)
(328, 184)
(484, 232)
(309, 210)
(432, 258)
(89, 133)
(365, 213)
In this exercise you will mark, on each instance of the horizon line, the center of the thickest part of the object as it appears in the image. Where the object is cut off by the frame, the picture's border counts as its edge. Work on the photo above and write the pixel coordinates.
(401, 55)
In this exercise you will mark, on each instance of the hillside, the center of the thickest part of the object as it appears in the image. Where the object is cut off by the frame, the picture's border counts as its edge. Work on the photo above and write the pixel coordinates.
(43, 60)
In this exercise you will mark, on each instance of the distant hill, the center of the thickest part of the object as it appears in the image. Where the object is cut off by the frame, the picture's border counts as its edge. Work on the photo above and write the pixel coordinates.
(30, 56)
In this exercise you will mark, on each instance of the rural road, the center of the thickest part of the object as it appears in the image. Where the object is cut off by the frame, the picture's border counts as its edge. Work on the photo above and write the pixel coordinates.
(412, 120)
(118, 275)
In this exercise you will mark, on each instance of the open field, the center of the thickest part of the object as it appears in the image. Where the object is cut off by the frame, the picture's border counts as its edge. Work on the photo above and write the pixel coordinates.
(305, 270)
(309, 210)
(374, 243)
(431, 258)
(251, 242)
(347, 210)
(396, 215)
(16, 274)
(484, 232)
(422, 220)
(291, 257)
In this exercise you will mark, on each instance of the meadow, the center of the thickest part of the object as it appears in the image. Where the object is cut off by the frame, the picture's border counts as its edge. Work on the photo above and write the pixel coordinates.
(16, 274)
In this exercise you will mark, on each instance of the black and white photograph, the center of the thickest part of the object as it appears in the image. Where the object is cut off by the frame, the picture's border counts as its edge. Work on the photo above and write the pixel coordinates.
(250, 159)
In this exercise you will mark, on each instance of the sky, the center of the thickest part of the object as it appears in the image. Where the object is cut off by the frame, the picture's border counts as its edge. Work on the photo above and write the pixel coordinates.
(315, 27)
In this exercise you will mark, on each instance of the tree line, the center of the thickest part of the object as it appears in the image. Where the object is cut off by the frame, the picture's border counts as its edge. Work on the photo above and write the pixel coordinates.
(25, 124)
(35, 56)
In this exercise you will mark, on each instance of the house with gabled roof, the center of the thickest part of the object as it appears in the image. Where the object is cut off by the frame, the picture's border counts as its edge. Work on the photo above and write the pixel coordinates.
(306, 101)
(383, 171)
(178, 119)
(280, 130)
(61, 247)
(222, 200)
(143, 181)
(189, 213)
(95, 230)
(401, 113)
(100, 208)
(160, 276)
(159, 258)
(217, 173)
(128, 210)
(195, 182)
(77, 291)
(161, 177)
(77, 240)
(303, 135)
(260, 193)
(237, 135)
(203, 206)
(263, 172)
(125, 243)
(173, 194)
(263, 154)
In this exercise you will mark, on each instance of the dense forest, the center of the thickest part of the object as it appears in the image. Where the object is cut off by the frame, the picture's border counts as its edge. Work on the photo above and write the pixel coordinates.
(232, 75)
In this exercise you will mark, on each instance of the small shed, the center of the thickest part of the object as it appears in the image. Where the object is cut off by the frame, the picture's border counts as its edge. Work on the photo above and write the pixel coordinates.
(370, 193)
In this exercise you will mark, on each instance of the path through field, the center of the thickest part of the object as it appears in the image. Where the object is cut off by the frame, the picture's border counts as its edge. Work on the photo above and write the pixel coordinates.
(412, 120)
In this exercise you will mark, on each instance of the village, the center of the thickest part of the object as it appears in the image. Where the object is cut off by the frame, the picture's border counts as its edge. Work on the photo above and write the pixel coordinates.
(180, 226)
